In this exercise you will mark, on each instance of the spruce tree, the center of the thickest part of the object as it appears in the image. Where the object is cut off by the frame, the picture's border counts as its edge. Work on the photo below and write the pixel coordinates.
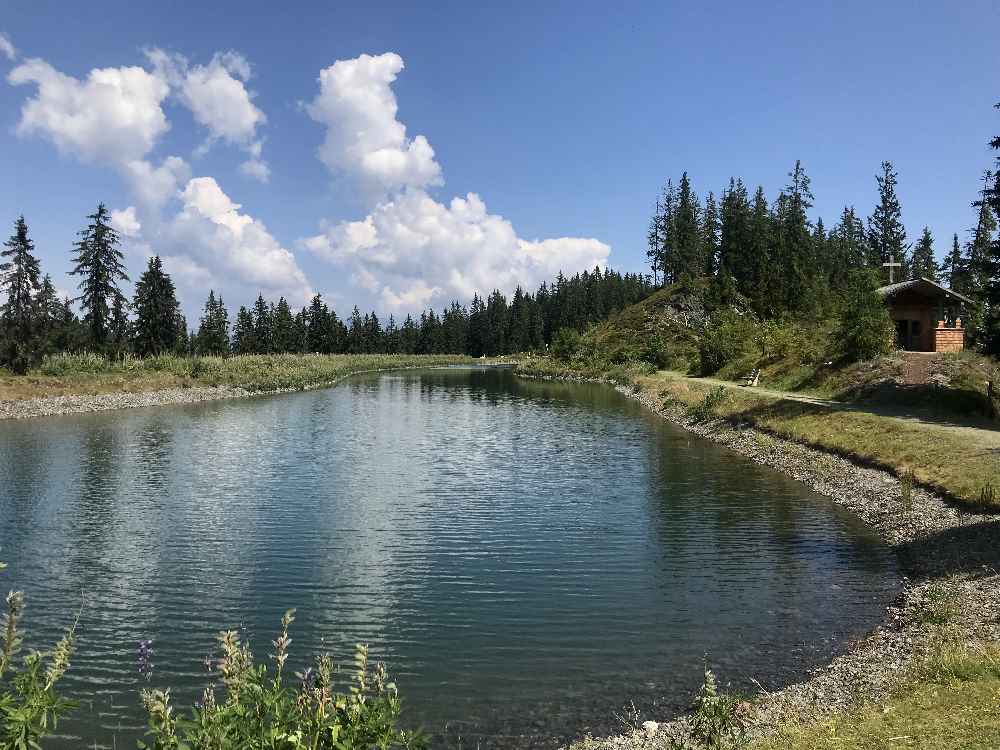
(846, 250)
(886, 234)
(244, 337)
(734, 237)
(797, 286)
(954, 268)
(356, 333)
(923, 264)
(283, 327)
(764, 275)
(100, 262)
(213, 331)
(866, 330)
(156, 311)
(263, 331)
(119, 327)
(19, 272)
(317, 338)
(710, 235)
(48, 316)
(688, 252)
(654, 241)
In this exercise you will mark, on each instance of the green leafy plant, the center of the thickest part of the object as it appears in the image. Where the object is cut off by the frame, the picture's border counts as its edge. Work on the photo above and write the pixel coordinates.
(704, 410)
(30, 705)
(988, 496)
(565, 344)
(906, 482)
(936, 607)
(718, 721)
(257, 708)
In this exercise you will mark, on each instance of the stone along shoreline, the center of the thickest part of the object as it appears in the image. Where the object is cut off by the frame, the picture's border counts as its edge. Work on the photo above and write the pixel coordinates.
(50, 406)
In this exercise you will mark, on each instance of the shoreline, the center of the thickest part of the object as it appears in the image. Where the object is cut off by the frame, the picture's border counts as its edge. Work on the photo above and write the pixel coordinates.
(57, 406)
(943, 552)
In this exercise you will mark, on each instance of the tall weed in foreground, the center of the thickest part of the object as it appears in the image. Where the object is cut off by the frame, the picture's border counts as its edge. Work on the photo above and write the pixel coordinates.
(259, 708)
(705, 409)
(30, 706)
(717, 721)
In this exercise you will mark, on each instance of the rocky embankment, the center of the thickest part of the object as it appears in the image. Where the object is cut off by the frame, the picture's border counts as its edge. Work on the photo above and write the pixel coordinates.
(78, 404)
(949, 558)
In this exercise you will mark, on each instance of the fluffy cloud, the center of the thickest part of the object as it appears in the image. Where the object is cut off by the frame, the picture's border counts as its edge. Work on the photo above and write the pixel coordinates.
(114, 116)
(257, 169)
(7, 47)
(363, 136)
(125, 222)
(411, 249)
(217, 96)
(416, 251)
(211, 225)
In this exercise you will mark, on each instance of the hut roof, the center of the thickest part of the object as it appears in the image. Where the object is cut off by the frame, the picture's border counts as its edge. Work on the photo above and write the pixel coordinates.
(924, 287)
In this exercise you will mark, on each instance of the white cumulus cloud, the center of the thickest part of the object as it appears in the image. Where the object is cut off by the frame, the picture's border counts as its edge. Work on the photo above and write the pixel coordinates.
(7, 47)
(417, 251)
(363, 137)
(214, 230)
(126, 222)
(411, 249)
(218, 98)
(113, 116)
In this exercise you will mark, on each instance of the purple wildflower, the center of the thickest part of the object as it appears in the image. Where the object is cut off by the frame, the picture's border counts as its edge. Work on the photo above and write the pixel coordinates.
(145, 658)
(308, 679)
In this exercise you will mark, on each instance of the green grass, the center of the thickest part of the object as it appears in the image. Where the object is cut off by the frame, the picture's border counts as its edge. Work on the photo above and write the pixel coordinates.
(89, 374)
(955, 706)
(956, 463)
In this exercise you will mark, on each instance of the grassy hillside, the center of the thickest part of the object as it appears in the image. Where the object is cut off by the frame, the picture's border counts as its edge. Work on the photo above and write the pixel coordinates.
(673, 329)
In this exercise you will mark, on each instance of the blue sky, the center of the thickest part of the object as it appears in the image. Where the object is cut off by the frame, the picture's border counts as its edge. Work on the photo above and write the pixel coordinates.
(562, 119)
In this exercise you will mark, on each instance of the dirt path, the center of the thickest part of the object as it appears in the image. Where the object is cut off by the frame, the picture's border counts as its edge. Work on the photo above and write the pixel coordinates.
(981, 436)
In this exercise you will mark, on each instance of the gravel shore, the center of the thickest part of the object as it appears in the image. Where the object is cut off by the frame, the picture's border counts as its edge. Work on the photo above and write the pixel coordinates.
(949, 558)
(78, 404)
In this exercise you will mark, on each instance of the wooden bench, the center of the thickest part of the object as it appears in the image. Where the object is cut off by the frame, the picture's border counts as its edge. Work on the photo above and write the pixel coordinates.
(753, 379)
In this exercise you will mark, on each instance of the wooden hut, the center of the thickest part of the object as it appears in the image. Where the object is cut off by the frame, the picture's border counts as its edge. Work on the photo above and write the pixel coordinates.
(928, 316)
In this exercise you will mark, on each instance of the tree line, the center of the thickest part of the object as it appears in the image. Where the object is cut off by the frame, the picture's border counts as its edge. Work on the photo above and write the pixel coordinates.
(781, 263)
(35, 322)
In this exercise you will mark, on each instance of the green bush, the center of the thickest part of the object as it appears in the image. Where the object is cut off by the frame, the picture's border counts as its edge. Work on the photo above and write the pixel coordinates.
(260, 709)
(705, 409)
(725, 339)
(30, 705)
(565, 344)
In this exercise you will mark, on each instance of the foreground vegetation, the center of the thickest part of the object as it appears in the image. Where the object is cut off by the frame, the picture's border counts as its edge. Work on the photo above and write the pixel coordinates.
(951, 703)
(92, 374)
(252, 705)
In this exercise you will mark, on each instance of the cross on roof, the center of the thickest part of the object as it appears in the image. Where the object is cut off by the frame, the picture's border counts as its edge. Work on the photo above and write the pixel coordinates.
(892, 265)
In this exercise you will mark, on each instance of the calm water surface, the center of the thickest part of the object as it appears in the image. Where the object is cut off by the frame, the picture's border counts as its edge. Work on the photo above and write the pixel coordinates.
(527, 557)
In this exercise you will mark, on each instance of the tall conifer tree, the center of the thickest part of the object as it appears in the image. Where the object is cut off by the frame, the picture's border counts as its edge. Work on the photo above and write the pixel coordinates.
(156, 311)
(923, 264)
(101, 263)
(886, 234)
(19, 272)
